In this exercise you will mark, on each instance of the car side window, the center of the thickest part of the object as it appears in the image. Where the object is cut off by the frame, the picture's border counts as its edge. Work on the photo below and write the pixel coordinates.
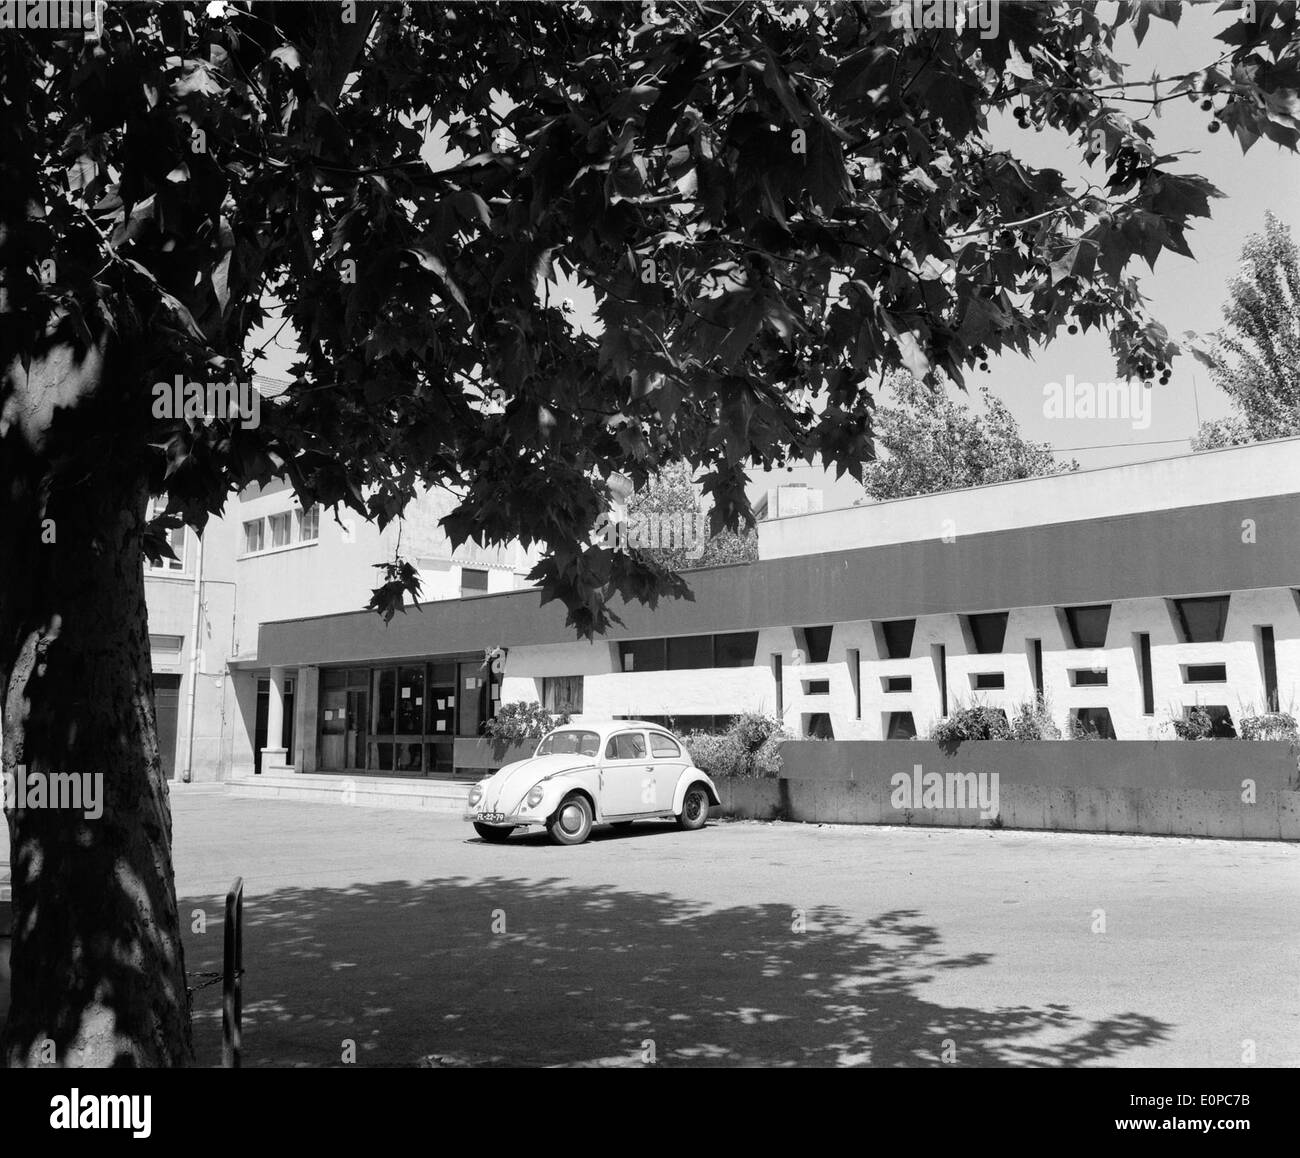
(663, 747)
(626, 746)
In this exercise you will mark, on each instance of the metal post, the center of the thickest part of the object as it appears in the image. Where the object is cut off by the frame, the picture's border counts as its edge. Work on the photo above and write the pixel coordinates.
(232, 977)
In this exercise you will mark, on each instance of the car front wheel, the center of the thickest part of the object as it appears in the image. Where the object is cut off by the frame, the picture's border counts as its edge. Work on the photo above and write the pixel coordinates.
(571, 823)
(695, 808)
(493, 834)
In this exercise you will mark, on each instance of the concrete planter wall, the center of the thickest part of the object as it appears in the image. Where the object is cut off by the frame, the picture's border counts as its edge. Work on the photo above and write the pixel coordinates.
(1222, 788)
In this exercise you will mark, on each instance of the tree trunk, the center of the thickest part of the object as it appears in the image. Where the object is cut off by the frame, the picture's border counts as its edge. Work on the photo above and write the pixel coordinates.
(97, 962)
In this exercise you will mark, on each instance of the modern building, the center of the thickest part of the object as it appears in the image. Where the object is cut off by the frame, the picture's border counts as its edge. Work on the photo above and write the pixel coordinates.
(1122, 597)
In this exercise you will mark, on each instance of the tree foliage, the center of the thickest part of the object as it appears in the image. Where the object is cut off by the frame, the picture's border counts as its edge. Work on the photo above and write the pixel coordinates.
(935, 444)
(771, 203)
(1255, 359)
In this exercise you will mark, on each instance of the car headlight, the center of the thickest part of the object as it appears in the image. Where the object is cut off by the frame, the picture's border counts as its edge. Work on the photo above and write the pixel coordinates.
(475, 794)
(535, 795)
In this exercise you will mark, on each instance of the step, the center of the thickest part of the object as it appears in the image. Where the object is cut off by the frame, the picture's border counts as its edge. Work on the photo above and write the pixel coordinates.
(362, 791)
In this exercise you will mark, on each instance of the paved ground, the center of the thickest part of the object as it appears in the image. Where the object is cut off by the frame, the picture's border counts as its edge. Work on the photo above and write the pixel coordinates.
(745, 943)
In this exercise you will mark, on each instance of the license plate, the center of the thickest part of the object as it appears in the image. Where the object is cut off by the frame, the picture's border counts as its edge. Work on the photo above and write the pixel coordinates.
(491, 817)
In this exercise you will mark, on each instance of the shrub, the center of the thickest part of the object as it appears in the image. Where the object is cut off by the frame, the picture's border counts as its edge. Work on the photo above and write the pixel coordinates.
(519, 721)
(715, 755)
(1270, 726)
(977, 722)
(748, 748)
(1196, 725)
(1033, 721)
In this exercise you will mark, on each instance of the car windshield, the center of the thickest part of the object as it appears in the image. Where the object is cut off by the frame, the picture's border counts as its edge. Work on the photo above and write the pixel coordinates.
(569, 743)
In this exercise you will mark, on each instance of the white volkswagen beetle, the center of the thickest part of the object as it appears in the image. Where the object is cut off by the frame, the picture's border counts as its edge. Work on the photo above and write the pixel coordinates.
(589, 773)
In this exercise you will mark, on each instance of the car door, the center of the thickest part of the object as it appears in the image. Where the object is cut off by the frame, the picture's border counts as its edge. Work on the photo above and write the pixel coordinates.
(627, 776)
(669, 759)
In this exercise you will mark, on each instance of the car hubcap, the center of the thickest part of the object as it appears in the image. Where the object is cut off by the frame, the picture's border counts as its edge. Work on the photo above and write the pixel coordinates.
(571, 818)
(693, 806)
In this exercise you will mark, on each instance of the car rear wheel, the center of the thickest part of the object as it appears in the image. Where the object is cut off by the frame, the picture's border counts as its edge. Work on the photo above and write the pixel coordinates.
(695, 808)
(493, 833)
(571, 823)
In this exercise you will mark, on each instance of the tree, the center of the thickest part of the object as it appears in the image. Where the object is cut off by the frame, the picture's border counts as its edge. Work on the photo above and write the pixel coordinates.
(1255, 360)
(667, 522)
(772, 204)
(936, 444)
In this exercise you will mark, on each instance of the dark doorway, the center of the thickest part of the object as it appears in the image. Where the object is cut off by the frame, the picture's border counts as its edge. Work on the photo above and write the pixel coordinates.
(167, 710)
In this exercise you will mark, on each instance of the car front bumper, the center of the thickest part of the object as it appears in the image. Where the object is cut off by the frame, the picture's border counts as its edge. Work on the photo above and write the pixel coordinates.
(508, 820)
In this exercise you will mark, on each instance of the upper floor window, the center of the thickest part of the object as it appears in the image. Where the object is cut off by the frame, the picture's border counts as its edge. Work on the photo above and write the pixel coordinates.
(280, 525)
(815, 642)
(1203, 620)
(473, 582)
(898, 635)
(254, 535)
(988, 631)
(1088, 625)
(309, 524)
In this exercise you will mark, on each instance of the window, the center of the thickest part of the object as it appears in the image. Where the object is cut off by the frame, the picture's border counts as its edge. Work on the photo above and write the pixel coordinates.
(472, 582)
(735, 649)
(779, 678)
(254, 533)
(625, 746)
(562, 694)
(898, 635)
(279, 529)
(988, 681)
(1148, 684)
(988, 631)
(855, 678)
(1205, 673)
(1268, 655)
(663, 747)
(1036, 648)
(642, 655)
(818, 726)
(309, 524)
(939, 657)
(1220, 720)
(565, 743)
(900, 726)
(817, 687)
(690, 651)
(897, 683)
(815, 643)
(1094, 722)
(1088, 678)
(1088, 625)
(1203, 620)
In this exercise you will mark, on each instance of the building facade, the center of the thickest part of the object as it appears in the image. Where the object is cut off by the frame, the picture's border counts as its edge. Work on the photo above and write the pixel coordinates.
(1120, 598)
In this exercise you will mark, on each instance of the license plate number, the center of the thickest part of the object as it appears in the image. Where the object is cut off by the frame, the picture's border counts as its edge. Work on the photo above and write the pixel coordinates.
(491, 817)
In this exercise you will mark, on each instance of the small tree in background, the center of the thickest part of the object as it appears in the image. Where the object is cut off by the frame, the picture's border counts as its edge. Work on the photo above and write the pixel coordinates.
(936, 444)
(1255, 359)
(672, 500)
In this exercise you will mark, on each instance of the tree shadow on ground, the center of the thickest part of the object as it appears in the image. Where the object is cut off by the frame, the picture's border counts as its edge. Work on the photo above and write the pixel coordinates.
(513, 972)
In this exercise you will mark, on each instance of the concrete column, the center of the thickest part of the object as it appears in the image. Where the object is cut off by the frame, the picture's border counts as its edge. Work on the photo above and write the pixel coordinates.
(274, 754)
